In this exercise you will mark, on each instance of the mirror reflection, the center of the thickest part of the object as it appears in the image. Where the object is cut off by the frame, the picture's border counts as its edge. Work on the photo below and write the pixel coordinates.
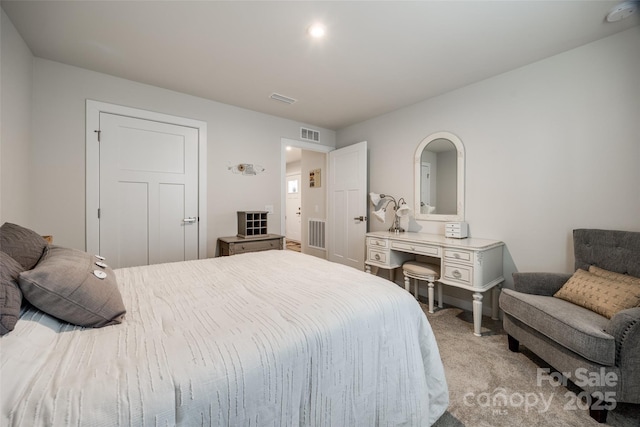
(439, 176)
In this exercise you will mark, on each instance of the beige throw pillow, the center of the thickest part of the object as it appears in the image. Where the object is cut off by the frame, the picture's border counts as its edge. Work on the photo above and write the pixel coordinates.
(604, 295)
(615, 276)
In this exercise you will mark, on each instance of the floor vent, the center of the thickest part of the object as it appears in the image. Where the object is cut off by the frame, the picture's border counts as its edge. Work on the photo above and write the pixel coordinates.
(309, 135)
(316, 233)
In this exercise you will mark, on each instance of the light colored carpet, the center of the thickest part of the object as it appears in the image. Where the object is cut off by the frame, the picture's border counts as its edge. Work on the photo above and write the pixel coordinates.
(482, 373)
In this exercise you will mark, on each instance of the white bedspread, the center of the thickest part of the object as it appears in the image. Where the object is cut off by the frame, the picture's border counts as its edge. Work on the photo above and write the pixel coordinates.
(273, 338)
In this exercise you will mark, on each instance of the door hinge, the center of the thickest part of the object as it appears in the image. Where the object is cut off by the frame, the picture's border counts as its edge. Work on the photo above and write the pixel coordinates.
(98, 132)
(98, 213)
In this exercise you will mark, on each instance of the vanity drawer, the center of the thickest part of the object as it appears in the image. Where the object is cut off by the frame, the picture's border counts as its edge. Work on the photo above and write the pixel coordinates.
(459, 273)
(456, 255)
(416, 248)
(377, 243)
(379, 257)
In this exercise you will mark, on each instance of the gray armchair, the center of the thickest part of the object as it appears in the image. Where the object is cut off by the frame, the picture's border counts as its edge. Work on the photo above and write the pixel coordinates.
(573, 339)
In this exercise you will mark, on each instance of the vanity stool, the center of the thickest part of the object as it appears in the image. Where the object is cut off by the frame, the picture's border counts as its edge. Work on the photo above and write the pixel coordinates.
(422, 271)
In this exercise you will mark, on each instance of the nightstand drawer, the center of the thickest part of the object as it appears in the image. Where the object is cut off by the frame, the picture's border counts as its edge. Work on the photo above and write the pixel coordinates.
(458, 255)
(459, 273)
(262, 245)
(237, 245)
(416, 248)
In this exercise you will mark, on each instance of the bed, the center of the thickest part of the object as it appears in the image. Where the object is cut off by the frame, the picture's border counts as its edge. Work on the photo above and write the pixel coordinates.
(273, 338)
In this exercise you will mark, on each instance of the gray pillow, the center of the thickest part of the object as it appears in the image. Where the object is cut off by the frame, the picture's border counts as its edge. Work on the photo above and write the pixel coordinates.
(64, 285)
(24, 245)
(10, 295)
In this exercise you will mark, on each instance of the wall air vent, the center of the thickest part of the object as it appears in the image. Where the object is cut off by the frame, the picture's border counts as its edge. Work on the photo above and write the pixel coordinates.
(316, 233)
(309, 135)
(282, 98)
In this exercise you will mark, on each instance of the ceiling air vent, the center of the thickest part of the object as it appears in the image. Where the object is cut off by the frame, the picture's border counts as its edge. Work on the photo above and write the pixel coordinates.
(282, 98)
(309, 135)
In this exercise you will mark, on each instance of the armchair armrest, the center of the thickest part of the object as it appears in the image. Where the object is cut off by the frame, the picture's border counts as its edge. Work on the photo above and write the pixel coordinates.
(624, 326)
(539, 283)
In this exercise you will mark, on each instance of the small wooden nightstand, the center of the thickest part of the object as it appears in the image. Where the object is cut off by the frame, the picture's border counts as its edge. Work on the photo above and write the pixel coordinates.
(233, 245)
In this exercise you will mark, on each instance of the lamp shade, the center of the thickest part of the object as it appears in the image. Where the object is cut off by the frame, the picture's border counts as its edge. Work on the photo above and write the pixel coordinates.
(403, 210)
(375, 198)
(380, 214)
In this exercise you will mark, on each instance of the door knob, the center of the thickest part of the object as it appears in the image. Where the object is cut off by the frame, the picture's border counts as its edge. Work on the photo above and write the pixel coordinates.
(360, 218)
(189, 220)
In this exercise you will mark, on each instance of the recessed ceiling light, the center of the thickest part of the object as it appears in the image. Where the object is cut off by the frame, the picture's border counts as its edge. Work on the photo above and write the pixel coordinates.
(317, 31)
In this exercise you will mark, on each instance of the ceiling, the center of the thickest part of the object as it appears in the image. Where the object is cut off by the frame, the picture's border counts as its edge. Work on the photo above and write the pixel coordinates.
(376, 57)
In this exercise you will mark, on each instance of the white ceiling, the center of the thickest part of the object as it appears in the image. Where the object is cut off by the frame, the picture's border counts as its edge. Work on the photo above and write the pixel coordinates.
(377, 56)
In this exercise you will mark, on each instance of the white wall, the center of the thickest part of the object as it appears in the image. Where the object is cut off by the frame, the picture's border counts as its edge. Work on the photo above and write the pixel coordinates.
(550, 147)
(16, 70)
(293, 168)
(235, 135)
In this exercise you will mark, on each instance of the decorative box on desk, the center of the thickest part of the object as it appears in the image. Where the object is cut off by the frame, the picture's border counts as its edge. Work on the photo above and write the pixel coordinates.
(456, 230)
(233, 245)
(252, 223)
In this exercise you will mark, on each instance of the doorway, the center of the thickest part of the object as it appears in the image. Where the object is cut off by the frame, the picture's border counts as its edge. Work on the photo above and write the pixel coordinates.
(334, 201)
(306, 202)
(293, 231)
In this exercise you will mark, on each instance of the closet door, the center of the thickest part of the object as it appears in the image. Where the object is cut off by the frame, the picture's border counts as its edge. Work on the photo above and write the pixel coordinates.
(148, 191)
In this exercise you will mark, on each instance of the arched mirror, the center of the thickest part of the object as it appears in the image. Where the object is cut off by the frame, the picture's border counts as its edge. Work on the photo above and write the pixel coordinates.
(439, 178)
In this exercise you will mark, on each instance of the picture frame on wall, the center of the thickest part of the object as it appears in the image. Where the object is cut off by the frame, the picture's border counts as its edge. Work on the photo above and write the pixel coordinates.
(315, 180)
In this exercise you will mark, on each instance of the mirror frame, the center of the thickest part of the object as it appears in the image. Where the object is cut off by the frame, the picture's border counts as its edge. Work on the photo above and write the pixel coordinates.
(459, 216)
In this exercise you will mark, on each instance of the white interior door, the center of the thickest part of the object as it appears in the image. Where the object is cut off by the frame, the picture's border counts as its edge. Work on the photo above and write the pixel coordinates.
(293, 205)
(148, 191)
(348, 205)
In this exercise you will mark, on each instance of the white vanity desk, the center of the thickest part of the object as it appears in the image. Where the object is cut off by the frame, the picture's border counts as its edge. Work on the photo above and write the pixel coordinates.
(471, 264)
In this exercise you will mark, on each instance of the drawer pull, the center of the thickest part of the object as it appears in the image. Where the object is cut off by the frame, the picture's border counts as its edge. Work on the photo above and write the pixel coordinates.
(456, 255)
(377, 257)
(456, 274)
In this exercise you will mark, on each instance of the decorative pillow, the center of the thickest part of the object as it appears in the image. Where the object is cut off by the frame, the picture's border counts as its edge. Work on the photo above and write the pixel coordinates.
(23, 245)
(10, 295)
(603, 295)
(68, 284)
(614, 276)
